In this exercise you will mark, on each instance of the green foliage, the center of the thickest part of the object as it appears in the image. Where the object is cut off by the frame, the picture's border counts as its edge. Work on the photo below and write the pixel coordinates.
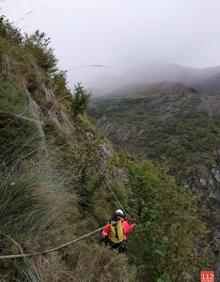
(38, 44)
(60, 84)
(183, 140)
(19, 64)
(166, 128)
(80, 100)
(8, 31)
(164, 246)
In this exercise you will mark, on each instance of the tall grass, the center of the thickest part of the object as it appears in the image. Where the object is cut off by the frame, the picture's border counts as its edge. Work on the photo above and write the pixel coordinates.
(28, 271)
(20, 206)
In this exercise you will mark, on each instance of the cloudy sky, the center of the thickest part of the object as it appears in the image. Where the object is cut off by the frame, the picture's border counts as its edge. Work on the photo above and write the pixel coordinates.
(122, 34)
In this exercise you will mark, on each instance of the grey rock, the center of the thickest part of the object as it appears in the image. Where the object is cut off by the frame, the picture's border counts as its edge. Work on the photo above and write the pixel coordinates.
(105, 151)
(89, 135)
(186, 277)
(216, 172)
(106, 154)
(49, 95)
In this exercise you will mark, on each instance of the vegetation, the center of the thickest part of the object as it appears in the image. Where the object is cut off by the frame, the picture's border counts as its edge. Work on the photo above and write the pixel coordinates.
(80, 100)
(169, 129)
(164, 244)
(38, 43)
(181, 132)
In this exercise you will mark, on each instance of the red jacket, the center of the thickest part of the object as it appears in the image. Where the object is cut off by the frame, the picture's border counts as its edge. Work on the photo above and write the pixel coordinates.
(125, 225)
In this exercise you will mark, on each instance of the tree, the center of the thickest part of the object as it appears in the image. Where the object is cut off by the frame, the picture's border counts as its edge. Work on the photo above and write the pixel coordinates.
(80, 100)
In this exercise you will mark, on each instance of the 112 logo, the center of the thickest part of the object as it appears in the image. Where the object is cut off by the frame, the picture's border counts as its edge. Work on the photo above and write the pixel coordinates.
(207, 276)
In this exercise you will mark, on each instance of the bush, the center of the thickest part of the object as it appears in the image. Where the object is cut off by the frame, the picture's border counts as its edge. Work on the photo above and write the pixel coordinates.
(38, 44)
(60, 84)
(169, 228)
(8, 31)
(80, 100)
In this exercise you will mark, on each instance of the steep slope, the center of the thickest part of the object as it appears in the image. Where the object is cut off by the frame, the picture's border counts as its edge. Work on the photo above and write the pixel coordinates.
(61, 179)
(52, 183)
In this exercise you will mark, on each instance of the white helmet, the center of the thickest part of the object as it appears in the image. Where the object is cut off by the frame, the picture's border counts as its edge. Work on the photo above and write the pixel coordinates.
(119, 212)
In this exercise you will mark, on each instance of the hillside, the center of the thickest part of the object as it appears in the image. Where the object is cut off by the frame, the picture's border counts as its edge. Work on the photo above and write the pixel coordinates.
(61, 179)
(161, 121)
(176, 126)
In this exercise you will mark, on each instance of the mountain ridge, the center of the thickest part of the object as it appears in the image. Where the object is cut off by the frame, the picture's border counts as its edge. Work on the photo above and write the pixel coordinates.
(160, 72)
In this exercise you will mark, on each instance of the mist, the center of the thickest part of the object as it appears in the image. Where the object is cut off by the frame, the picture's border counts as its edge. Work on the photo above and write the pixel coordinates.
(95, 40)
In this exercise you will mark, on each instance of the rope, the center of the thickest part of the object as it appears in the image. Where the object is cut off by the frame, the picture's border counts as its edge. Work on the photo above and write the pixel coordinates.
(49, 250)
(53, 249)
(113, 193)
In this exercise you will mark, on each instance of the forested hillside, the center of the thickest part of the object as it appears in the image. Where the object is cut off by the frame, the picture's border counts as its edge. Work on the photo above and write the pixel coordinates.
(168, 122)
(56, 170)
(176, 126)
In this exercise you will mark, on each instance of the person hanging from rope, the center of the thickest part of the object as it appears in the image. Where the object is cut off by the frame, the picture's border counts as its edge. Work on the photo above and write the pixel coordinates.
(114, 233)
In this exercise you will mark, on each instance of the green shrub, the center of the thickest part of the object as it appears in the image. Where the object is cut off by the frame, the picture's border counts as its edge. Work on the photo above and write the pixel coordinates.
(8, 31)
(60, 85)
(164, 245)
(38, 45)
(80, 100)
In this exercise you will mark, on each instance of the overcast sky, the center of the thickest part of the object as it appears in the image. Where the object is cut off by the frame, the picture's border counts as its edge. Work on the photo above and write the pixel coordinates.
(122, 34)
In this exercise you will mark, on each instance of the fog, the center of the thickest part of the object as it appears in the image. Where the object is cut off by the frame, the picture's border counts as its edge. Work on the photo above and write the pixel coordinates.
(122, 34)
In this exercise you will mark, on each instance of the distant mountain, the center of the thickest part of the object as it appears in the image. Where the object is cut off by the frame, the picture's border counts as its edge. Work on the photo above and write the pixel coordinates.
(206, 79)
(142, 89)
(211, 85)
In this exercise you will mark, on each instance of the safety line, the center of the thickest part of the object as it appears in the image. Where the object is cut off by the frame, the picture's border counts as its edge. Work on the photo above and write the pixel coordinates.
(53, 249)
(110, 188)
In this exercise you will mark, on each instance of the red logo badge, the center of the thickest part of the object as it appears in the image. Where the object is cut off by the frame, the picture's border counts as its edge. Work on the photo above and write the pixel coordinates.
(207, 276)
